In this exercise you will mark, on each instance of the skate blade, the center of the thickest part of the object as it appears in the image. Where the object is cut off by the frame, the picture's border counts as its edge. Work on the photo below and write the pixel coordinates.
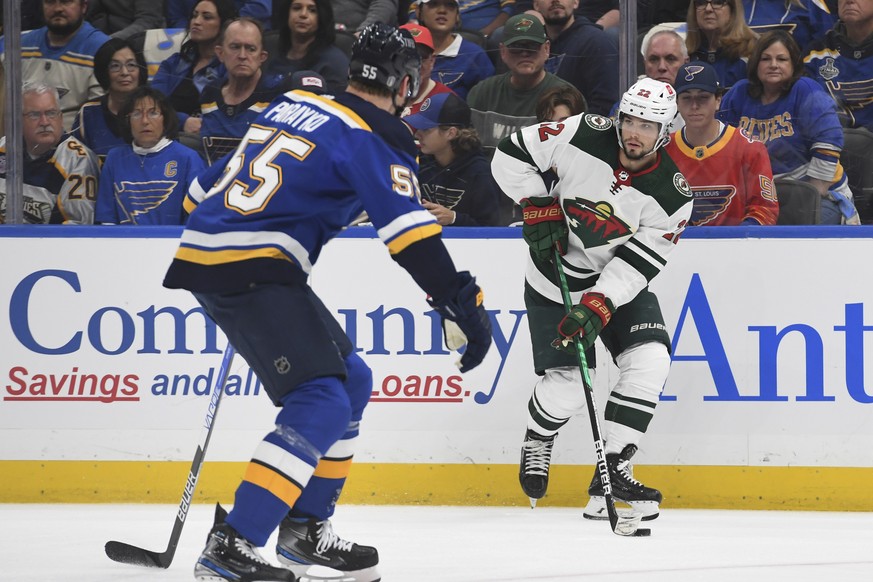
(533, 502)
(324, 574)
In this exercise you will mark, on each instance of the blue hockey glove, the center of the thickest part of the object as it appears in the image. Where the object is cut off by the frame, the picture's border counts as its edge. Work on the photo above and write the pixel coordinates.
(544, 226)
(585, 320)
(466, 321)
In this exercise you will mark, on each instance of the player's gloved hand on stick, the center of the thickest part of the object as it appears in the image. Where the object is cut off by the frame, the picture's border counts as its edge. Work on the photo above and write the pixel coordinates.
(465, 321)
(585, 320)
(544, 226)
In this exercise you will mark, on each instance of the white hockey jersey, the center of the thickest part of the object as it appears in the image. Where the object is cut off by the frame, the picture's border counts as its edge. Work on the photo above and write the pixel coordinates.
(622, 225)
(60, 187)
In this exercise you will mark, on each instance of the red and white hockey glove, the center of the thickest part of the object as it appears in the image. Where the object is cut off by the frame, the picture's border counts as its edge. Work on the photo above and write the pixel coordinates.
(585, 320)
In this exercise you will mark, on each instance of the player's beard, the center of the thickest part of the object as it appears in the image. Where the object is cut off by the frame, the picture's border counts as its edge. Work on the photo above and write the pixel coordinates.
(64, 30)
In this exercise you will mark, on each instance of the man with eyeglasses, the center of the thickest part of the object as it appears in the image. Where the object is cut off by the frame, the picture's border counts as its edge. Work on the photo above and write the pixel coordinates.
(581, 54)
(61, 54)
(729, 173)
(60, 177)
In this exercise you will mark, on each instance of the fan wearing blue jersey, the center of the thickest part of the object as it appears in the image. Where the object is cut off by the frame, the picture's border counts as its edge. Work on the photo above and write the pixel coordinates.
(305, 170)
(804, 19)
(796, 120)
(842, 62)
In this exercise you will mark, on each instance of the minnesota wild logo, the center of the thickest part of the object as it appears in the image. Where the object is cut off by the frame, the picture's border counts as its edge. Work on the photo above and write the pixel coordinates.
(595, 223)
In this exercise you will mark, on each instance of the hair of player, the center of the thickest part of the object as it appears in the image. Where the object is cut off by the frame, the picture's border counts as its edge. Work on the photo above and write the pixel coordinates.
(226, 10)
(736, 40)
(103, 57)
(683, 49)
(566, 95)
(39, 88)
(325, 34)
(756, 87)
(369, 88)
(241, 20)
(171, 120)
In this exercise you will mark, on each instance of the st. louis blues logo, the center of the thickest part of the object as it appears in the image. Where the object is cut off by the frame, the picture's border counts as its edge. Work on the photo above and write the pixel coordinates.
(595, 223)
(692, 71)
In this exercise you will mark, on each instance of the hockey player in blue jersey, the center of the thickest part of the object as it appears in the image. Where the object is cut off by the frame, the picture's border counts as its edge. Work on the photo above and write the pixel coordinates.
(307, 167)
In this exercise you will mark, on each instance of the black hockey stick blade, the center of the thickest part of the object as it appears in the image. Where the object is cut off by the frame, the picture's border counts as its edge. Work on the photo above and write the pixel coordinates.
(135, 556)
(128, 554)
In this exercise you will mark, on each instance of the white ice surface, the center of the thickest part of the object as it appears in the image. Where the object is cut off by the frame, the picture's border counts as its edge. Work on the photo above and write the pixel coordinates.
(60, 543)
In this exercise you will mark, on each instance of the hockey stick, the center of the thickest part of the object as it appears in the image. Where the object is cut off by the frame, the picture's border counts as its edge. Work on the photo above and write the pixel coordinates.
(128, 554)
(623, 525)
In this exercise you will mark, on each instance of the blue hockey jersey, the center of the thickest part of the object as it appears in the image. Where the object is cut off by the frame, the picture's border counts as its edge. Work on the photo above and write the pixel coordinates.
(146, 186)
(223, 120)
(306, 168)
(98, 128)
(801, 130)
(845, 70)
(805, 20)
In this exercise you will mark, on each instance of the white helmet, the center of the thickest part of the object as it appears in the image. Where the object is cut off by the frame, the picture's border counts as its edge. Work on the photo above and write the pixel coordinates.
(651, 100)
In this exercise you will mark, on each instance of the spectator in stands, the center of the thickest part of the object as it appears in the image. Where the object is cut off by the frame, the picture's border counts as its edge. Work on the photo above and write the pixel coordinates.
(306, 43)
(841, 61)
(459, 63)
(61, 54)
(227, 108)
(796, 120)
(581, 53)
(124, 18)
(355, 15)
(60, 175)
(524, 50)
(804, 19)
(119, 70)
(183, 76)
(718, 34)
(559, 103)
(179, 11)
(663, 53)
(484, 16)
(428, 87)
(505, 103)
(729, 173)
(603, 13)
(146, 181)
(455, 176)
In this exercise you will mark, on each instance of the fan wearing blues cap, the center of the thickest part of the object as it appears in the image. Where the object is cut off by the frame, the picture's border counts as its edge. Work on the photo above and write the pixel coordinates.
(456, 183)
(729, 174)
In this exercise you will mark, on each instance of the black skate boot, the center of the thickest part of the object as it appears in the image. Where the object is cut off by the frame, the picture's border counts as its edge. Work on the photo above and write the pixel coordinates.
(642, 499)
(533, 469)
(230, 557)
(308, 543)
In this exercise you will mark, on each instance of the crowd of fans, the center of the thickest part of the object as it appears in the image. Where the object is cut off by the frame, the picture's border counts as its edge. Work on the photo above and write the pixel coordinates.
(766, 87)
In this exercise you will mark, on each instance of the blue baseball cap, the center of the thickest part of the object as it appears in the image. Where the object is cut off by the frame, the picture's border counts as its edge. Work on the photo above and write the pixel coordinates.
(697, 75)
(441, 109)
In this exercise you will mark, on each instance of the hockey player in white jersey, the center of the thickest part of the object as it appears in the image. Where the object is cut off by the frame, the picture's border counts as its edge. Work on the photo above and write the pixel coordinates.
(615, 214)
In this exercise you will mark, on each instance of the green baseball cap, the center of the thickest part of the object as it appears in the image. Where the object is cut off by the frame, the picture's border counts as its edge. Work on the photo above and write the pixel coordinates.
(524, 27)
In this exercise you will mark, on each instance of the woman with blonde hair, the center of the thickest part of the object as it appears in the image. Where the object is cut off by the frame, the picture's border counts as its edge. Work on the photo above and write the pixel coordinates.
(718, 34)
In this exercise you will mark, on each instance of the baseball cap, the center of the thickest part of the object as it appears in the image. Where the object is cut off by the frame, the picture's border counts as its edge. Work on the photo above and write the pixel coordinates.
(308, 81)
(441, 109)
(524, 27)
(455, 2)
(697, 75)
(421, 34)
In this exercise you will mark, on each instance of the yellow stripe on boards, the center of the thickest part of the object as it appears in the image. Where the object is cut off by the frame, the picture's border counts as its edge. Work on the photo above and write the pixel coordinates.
(690, 487)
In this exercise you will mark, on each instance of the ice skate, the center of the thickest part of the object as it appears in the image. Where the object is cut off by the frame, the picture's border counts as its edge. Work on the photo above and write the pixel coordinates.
(642, 499)
(533, 469)
(230, 557)
(303, 544)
